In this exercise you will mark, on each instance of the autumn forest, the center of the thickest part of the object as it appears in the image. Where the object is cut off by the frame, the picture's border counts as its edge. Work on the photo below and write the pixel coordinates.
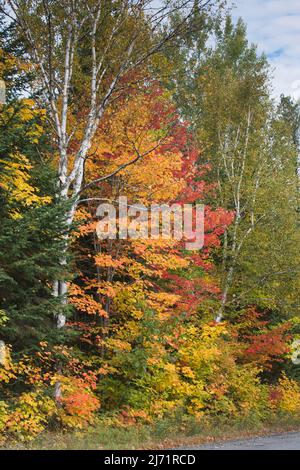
(164, 103)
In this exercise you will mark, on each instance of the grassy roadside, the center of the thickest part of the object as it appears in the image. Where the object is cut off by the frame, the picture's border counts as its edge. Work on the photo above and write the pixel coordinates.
(162, 435)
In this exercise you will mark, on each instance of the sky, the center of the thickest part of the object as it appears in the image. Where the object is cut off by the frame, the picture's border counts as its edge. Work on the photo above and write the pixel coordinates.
(274, 25)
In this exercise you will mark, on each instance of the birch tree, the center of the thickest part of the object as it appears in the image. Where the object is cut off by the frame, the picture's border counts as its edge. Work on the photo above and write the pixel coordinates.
(252, 159)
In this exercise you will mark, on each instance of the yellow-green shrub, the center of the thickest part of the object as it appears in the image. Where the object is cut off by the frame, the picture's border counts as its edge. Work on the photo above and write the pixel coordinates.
(30, 415)
(286, 395)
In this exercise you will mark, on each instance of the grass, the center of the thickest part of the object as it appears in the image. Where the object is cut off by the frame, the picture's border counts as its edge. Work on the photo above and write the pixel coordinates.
(168, 433)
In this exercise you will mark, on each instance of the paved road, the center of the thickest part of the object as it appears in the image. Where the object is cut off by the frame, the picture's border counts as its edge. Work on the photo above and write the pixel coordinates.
(289, 441)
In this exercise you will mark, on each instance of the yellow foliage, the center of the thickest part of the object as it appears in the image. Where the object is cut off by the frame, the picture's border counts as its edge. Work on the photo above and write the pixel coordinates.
(4, 413)
(30, 416)
(15, 181)
(15, 168)
(289, 394)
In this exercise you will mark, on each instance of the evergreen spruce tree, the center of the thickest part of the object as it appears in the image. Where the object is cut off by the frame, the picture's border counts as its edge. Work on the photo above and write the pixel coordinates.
(32, 227)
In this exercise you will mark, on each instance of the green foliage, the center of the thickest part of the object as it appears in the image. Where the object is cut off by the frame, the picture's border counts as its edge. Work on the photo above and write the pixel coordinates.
(252, 147)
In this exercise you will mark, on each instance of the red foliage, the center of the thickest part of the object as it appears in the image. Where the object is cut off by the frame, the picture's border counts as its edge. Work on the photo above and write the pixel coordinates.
(266, 344)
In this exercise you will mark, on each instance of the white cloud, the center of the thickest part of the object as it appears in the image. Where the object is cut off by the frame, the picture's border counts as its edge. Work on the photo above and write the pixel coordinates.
(274, 25)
